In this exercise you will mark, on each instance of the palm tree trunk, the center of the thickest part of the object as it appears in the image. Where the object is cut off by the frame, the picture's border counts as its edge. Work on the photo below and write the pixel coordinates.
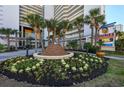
(42, 42)
(35, 30)
(48, 37)
(92, 35)
(35, 42)
(53, 38)
(96, 35)
(64, 38)
(59, 38)
(80, 37)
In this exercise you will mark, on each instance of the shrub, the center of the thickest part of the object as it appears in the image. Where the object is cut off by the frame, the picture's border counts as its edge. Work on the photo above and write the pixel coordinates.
(1, 46)
(90, 48)
(63, 72)
(72, 44)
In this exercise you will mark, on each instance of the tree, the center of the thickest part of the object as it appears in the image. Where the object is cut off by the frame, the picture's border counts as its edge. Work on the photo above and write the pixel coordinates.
(79, 24)
(66, 25)
(7, 32)
(58, 31)
(36, 22)
(94, 19)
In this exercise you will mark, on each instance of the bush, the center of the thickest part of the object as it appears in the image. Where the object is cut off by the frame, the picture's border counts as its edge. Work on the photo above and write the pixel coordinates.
(1, 46)
(72, 44)
(90, 48)
(12, 48)
(64, 72)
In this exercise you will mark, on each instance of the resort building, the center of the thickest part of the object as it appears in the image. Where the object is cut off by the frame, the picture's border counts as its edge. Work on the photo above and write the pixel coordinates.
(25, 28)
(119, 27)
(71, 12)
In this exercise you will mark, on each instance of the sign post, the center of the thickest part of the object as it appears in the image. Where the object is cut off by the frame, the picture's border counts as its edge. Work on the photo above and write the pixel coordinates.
(107, 35)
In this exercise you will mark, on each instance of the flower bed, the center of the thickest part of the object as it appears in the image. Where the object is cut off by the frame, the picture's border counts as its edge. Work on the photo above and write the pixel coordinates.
(66, 72)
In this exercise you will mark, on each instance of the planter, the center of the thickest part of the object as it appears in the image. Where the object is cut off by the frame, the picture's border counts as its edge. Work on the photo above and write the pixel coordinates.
(100, 54)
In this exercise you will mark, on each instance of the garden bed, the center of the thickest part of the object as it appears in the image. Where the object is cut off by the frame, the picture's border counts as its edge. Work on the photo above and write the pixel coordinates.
(66, 72)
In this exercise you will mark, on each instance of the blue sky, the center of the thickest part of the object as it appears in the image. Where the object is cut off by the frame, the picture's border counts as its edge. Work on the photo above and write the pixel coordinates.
(115, 13)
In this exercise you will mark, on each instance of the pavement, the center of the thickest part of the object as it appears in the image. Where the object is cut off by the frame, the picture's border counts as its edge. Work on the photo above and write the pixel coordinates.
(7, 55)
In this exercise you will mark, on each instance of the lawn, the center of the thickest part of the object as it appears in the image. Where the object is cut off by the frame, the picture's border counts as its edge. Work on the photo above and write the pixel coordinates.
(113, 78)
(117, 53)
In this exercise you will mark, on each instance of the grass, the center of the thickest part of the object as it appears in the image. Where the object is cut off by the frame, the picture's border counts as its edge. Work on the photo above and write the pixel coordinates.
(114, 77)
(115, 53)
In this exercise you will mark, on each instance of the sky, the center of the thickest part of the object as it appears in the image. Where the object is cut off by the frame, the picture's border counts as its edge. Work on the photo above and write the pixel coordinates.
(115, 13)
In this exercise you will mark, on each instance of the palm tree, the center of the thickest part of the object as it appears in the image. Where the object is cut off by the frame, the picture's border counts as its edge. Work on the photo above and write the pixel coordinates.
(36, 22)
(79, 24)
(48, 25)
(7, 32)
(94, 19)
(66, 25)
(58, 31)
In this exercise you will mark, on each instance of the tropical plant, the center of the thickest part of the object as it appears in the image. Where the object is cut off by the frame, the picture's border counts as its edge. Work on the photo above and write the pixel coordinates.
(100, 44)
(7, 32)
(58, 31)
(119, 43)
(94, 19)
(79, 25)
(66, 25)
(36, 22)
(51, 27)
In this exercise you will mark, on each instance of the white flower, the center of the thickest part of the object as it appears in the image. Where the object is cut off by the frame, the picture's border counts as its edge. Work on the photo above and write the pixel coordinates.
(87, 59)
(33, 67)
(72, 58)
(76, 58)
(23, 60)
(13, 69)
(85, 67)
(81, 69)
(14, 64)
(41, 62)
(21, 70)
(67, 66)
(63, 62)
(18, 61)
(31, 58)
(100, 60)
(80, 60)
(91, 60)
(37, 64)
(96, 60)
(74, 68)
(84, 62)
(59, 70)
(28, 69)
(80, 55)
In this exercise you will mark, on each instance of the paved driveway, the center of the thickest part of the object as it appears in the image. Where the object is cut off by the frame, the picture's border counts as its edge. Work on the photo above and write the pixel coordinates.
(7, 55)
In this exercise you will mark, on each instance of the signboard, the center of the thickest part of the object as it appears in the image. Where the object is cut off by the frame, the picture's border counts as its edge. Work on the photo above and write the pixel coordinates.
(107, 35)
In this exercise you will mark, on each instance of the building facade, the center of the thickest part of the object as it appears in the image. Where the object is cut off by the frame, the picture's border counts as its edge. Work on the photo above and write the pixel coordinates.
(25, 29)
(71, 12)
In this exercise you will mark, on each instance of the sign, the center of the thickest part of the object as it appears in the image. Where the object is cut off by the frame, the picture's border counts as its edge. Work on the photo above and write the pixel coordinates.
(107, 35)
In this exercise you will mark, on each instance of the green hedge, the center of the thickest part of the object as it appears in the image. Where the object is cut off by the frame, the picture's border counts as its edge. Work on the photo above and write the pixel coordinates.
(77, 69)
